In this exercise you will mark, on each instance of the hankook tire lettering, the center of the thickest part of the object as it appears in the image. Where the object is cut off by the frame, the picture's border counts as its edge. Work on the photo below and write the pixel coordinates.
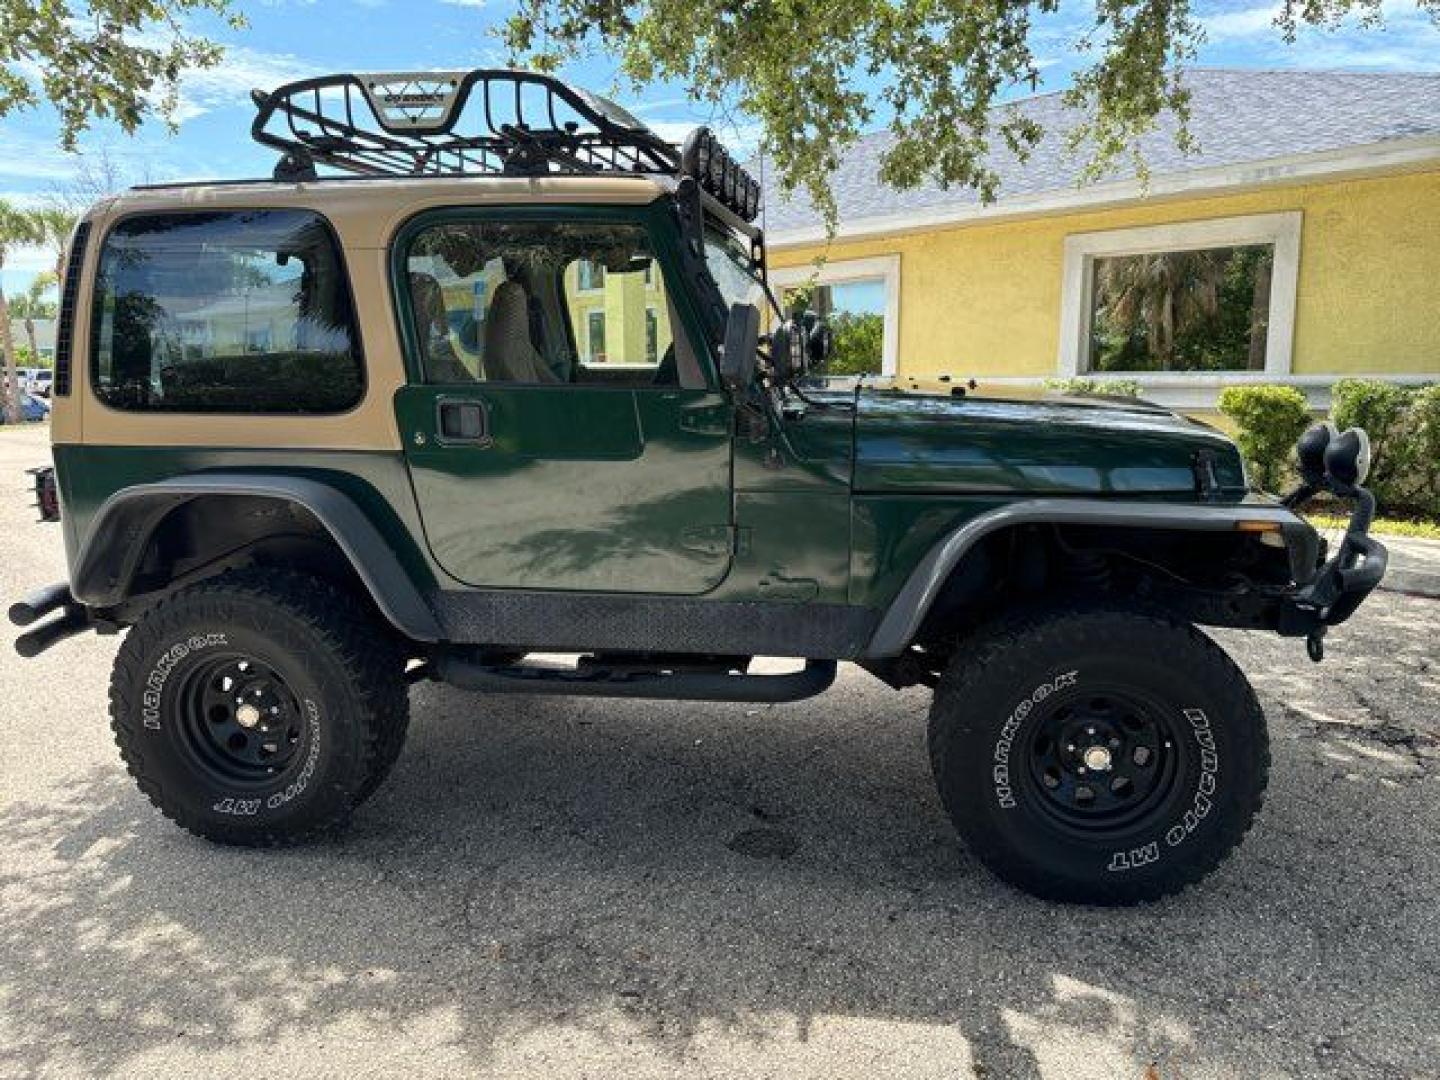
(155, 681)
(1004, 793)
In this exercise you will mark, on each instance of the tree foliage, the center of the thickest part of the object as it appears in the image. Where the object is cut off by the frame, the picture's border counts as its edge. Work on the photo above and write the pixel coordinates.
(17, 228)
(119, 60)
(817, 74)
(1403, 423)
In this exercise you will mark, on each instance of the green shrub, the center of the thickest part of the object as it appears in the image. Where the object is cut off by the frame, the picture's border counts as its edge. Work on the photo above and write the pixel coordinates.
(1102, 387)
(1404, 428)
(1269, 419)
(859, 344)
(1425, 432)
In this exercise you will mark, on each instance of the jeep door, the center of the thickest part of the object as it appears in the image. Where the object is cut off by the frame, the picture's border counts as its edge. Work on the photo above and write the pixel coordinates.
(563, 431)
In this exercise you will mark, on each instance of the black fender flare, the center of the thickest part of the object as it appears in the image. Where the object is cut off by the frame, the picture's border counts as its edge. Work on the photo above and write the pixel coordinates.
(902, 619)
(122, 528)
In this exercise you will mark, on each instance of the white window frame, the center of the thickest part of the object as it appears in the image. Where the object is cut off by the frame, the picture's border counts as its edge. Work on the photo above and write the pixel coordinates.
(590, 315)
(1282, 230)
(884, 267)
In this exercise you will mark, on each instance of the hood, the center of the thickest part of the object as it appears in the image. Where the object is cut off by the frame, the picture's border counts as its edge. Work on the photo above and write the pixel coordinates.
(909, 441)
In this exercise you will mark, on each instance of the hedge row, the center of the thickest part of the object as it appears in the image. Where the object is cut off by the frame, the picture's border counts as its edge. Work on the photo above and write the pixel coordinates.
(1403, 423)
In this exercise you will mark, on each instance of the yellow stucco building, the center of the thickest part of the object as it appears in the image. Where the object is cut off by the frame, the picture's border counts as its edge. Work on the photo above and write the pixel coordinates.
(1300, 244)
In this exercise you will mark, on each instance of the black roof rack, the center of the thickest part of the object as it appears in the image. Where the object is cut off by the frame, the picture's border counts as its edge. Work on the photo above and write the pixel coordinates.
(485, 122)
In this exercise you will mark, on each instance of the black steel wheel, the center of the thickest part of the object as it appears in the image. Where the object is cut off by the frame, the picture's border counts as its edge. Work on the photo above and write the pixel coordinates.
(239, 719)
(1101, 757)
(259, 707)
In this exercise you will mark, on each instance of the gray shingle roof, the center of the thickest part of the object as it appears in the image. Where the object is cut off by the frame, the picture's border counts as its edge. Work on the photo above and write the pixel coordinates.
(1236, 117)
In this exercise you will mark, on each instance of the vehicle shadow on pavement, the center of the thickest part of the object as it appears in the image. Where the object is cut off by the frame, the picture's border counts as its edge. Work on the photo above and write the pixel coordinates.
(563, 887)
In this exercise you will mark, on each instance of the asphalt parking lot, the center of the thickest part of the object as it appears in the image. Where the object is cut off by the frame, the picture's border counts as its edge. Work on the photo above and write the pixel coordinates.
(562, 888)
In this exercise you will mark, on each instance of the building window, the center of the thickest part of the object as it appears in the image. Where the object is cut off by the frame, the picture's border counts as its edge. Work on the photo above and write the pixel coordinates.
(595, 337)
(589, 276)
(860, 298)
(1195, 297)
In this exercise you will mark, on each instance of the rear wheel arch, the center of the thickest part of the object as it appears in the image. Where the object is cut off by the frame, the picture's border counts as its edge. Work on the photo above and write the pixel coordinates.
(135, 523)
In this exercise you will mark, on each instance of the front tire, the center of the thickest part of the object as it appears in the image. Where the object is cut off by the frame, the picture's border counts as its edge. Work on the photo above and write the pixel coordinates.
(1100, 757)
(259, 707)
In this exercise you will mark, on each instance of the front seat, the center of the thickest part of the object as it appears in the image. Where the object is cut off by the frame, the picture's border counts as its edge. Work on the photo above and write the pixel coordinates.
(441, 363)
(509, 354)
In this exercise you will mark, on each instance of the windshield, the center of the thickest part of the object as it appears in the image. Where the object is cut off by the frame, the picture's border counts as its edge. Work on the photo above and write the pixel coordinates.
(729, 265)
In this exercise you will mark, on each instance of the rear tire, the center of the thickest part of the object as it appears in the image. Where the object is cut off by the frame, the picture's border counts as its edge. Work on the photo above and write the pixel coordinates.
(1099, 757)
(259, 707)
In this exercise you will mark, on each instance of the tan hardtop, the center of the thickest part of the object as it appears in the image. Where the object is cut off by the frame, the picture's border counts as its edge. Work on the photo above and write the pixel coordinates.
(366, 211)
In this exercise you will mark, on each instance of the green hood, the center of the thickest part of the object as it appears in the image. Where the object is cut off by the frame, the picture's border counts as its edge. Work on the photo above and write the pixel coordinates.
(924, 442)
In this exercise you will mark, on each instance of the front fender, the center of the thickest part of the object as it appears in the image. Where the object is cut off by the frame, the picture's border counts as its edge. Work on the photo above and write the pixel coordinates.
(110, 553)
(902, 619)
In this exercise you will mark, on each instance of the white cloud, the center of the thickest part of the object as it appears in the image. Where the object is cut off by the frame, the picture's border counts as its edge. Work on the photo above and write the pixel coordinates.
(242, 69)
(1244, 23)
(466, 3)
(1408, 41)
(29, 158)
(741, 138)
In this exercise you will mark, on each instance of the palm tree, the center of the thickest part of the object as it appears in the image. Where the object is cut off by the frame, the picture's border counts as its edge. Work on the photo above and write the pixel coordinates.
(56, 224)
(1159, 293)
(34, 304)
(16, 228)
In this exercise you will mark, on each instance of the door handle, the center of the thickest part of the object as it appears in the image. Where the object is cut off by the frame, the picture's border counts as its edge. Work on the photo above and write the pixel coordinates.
(462, 420)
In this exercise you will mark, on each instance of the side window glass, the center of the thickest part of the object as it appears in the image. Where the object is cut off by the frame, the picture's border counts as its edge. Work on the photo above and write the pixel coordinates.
(226, 312)
(539, 303)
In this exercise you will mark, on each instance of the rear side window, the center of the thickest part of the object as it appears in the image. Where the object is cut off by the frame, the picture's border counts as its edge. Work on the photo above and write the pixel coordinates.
(228, 312)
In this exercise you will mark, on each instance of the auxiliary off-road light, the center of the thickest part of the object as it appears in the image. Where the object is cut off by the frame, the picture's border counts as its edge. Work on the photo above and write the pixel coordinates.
(1310, 450)
(1347, 458)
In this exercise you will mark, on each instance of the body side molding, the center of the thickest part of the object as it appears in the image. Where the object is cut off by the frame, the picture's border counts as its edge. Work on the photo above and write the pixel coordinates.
(123, 525)
(908, 609)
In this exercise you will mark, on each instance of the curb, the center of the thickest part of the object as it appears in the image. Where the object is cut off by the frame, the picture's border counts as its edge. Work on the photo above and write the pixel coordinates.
(1411, 583)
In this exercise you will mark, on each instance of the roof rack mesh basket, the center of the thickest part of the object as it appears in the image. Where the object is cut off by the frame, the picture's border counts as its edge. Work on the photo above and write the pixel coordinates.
(494, 122)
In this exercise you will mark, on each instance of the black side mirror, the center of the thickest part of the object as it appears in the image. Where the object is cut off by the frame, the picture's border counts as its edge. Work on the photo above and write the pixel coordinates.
(742, 344)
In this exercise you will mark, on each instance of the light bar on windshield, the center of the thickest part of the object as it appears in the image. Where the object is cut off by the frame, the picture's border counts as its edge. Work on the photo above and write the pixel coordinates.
(720, 174)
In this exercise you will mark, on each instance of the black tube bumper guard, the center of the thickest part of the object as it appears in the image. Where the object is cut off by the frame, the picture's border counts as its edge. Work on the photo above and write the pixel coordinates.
(1341, 585)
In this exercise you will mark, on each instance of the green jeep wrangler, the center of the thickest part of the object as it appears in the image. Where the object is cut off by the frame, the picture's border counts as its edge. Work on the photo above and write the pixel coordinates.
(515, 384)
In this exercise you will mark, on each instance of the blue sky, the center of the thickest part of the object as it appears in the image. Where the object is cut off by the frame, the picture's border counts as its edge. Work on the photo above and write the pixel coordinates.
(291, 39)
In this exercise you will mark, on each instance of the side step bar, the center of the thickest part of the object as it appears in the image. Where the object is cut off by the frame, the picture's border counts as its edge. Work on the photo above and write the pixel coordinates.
(628, 682)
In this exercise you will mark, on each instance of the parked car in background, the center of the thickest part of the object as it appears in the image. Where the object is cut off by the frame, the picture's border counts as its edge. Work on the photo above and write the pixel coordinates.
(32, 408)
(41, 382)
